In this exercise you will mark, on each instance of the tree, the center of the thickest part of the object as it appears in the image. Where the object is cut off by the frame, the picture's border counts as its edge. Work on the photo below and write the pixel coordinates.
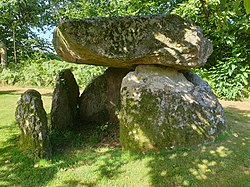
(18, 22)
(20, 19)
(224, 22)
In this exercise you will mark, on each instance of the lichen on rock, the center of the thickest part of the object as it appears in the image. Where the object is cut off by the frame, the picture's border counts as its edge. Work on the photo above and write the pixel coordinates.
(124, 42)
(162, 109)
(32, 121)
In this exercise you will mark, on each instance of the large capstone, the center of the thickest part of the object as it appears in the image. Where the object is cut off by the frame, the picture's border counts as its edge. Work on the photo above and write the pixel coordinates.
(100, 101)
(32, 121)
(64, 111)
(162, 108)
(121, 42)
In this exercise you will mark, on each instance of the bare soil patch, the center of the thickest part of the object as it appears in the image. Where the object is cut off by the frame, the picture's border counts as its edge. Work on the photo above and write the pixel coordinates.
(240, 105)
(20, 90)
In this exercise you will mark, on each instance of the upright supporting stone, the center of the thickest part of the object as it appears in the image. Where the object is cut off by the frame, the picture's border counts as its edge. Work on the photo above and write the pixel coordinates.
(64, 111)
(32, 121)
(161, 109)
(101, 99)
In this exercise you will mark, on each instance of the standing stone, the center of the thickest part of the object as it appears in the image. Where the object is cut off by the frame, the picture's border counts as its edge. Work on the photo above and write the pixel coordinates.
(100, 100)
(162, 108)
(64, 111)
(32, 121)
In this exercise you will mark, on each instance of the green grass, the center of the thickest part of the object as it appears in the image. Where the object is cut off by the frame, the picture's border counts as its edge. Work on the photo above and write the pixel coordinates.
(78, 162)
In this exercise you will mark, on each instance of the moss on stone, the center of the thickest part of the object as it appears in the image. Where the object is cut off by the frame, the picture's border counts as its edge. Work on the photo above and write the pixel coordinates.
(158, 119)
(32, 121)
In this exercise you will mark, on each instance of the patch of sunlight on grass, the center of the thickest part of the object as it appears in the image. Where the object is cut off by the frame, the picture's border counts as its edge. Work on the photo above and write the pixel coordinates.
(163, 173)
(173, 156)
(235, 135)
(180, 181)
(223, 151)
(185, 154)
(202, 169)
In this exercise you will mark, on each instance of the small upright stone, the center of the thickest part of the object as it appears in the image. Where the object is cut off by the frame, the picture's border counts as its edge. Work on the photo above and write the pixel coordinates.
(64, 111)
(32, 121)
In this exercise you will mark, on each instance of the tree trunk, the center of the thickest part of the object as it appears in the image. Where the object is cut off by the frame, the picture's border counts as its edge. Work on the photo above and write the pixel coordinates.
(3, 55)
(205, 9)
(14, 44)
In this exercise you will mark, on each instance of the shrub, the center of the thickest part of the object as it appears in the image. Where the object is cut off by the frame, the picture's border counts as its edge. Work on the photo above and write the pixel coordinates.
(42, 72)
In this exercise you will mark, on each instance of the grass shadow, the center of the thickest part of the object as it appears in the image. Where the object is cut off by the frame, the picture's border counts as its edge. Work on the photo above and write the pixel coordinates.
(17, 169)
(90, 149)
(111, 164)
(224, 163)
(8, 92)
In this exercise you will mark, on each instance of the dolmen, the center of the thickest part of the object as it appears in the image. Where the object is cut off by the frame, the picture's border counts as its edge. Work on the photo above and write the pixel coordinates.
(149, 88)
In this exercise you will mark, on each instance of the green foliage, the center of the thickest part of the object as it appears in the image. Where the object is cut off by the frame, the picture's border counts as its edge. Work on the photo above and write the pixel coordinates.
(18, 21)
(247, 6)
(230, 80)
(42, 72)
(105, 8)
(84, 73)
(228, 28)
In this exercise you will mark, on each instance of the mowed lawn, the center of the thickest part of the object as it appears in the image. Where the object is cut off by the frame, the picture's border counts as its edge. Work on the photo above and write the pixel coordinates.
(77, 161)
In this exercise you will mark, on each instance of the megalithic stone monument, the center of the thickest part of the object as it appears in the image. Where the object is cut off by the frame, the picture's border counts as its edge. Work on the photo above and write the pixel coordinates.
(162, 103)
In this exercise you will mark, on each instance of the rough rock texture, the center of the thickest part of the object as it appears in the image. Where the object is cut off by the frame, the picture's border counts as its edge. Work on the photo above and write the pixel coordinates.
(128, 41)
(32, 121)
(64, 111)
(100, 100)
(162, 108)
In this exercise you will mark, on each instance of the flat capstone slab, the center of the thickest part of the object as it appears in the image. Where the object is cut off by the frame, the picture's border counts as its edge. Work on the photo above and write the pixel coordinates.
(124, 42)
